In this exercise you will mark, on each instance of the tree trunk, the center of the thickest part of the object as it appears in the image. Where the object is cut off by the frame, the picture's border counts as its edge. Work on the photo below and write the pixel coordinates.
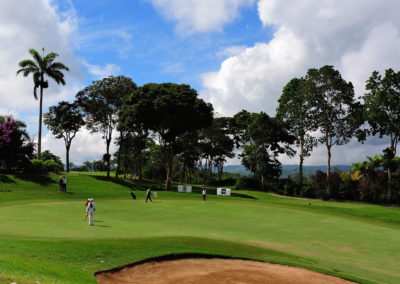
(39, 153)
(262, 182)
(67, 147)
(140, 165)
(389, 173)
(300, 185)
(108, 141)
(119, 155)
(125, 157)
(220, 170)
(328, 172)
(170, 161)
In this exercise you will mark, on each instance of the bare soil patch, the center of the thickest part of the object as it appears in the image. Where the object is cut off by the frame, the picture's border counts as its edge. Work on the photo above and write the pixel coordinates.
(213, 271)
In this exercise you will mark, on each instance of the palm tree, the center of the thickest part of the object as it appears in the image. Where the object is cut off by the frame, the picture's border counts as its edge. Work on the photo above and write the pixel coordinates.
(39, 67)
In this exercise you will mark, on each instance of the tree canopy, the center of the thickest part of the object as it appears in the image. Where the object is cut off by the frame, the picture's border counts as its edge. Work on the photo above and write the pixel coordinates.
(64, 121)
(168, 109)
(334, 109)
(101, 103)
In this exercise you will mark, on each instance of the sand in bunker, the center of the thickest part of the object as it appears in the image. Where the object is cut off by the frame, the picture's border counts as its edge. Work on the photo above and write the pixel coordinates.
(214, 271)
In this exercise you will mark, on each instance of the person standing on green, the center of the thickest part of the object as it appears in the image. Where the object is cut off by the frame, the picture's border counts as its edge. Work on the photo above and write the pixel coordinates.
(148, 195)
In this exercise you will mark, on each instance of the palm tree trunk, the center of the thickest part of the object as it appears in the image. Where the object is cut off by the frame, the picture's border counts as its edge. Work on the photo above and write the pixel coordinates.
(39, 153)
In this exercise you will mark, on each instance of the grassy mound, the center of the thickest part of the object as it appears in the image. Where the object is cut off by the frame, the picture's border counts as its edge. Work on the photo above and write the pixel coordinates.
(43, 236)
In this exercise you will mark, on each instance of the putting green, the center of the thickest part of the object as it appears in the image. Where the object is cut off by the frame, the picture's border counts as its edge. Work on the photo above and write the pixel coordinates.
(334, 238)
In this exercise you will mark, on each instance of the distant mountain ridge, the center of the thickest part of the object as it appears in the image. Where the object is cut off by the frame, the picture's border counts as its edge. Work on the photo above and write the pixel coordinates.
(287, 170)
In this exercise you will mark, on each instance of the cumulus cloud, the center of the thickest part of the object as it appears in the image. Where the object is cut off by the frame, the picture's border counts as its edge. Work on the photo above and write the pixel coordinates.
(20, 31)
(356, 37)
(58, 32)
(194, 16)
(99, 72)
(85, 146)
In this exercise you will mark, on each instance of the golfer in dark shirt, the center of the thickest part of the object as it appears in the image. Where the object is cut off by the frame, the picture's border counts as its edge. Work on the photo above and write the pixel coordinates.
(148, 196)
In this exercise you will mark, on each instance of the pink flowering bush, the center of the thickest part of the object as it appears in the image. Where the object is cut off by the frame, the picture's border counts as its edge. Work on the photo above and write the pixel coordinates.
(16, 149)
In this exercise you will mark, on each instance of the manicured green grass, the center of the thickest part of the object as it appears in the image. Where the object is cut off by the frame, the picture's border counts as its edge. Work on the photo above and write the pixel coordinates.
(43, 237)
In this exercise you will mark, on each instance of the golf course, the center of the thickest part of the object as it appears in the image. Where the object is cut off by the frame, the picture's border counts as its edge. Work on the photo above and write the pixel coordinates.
(44, 238)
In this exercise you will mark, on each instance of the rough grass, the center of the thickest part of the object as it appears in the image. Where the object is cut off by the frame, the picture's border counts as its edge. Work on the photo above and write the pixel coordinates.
(43, 237)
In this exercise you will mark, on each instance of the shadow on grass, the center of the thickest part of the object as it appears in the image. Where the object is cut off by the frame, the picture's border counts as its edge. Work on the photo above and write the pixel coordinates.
(6, 179)
(142, 185)
(39, 179)
(242, 195)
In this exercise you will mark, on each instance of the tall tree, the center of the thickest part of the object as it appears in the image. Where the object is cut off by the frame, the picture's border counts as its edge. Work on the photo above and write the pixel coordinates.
(336, 113)
(216, 144)
(169, 110)
(295, 109)
(268, 138)
(64, 121)
(40, 67)
(382, 108)
(101, 103)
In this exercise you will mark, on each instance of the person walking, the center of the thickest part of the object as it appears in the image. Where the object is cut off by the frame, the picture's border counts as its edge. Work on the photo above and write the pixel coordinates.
(65, 184)
(60, 184)
(86, 205)
(204, 193)
(90, 209)
(148, 195)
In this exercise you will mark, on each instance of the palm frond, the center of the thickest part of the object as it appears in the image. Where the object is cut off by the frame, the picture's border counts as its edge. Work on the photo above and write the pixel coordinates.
(58, 66)
(58, 76)
(50, 57)
(36, 56)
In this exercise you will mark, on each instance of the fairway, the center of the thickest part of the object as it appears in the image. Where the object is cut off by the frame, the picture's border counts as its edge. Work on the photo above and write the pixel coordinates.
(44, 238)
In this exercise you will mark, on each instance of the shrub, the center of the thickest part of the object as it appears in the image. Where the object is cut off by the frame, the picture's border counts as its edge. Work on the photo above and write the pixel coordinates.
(248, 183)
(36, 166)
(226, 182)
(51, 166)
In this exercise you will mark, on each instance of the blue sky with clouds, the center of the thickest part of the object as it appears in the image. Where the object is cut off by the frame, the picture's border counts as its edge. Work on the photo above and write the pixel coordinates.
(133, 37)
(238, 54)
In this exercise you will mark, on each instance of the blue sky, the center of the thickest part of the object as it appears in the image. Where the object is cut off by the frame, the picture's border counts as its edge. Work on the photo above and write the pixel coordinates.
(238, 54)
(146, 46)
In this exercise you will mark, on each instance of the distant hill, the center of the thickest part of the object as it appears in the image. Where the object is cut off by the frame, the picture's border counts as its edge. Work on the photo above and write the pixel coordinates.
(288, 170)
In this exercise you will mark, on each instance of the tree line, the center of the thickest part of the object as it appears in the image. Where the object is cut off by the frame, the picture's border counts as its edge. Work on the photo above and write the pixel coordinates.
(166, 131)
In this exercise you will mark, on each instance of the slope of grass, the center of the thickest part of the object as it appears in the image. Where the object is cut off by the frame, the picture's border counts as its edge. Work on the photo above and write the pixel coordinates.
(43, 237)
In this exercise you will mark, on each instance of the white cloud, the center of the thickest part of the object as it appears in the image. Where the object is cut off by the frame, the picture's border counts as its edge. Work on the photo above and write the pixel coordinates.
(20, 31)
(85, 146)
(194, 16)
(231, 51)
(101, 72)
(356, 37)
(254, 79)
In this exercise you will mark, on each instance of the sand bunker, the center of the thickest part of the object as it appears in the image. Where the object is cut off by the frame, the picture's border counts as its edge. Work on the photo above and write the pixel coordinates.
(214, 270)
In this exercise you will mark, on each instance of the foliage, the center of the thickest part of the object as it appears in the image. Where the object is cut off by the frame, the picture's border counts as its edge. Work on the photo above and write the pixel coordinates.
(64, 121)
(216, 145)
(296, 111)
(267, 138)
(336, 113)
(40, 67)
(101, 103)
(169, 110)
(245, 182)
(15, 146)
(51, 166)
